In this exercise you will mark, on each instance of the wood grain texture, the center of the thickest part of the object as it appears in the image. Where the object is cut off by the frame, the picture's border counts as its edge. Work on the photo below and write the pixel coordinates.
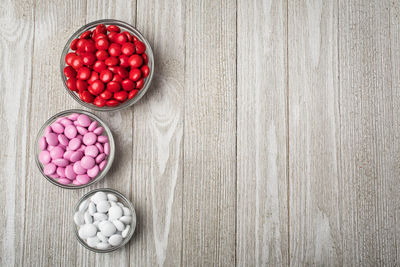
(158, 139)
(369, 134)
(16, 49)
(262, 211)
(48, 237)
(315, 237)
(209, 197)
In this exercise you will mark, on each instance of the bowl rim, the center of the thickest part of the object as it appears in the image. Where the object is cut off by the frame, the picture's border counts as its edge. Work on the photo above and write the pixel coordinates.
(110, 158)
(132, 225)
(149, 53)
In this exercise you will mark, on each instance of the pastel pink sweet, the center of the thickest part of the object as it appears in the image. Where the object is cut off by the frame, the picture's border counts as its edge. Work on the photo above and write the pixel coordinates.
(76, 156)
(102, 165)
(98, 130)
(76, 123)
(65, 122)
(82, 148)
(73, 116)
(75, 182)
(44, 157)
(99, 147)
(47, 130)
(70, 131)
(59, 119)
(91, 151)
(67, 154)
(87, 162)
(74, 143)
(57, 152)
(63, 139)
(61, 162)
(49, 168)
(49, 148)
(92, 126)
(107, 148)
(52, 139)
(54, 176)
(57, 127)
(78, 169)
(102, 139)
(84, 120)
(69, 172)
(81, 130)
(64, 181)
(42, 143)
(89, 139)
(61, 171)
(93, 172)
(100, 158)
(83, 178)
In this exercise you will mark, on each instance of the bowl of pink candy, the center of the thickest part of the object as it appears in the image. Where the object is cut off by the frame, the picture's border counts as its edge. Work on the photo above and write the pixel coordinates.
(74, 149)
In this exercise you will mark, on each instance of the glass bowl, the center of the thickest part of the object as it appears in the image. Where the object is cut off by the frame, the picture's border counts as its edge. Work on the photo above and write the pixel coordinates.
(124, 201)
(124, 27)
(107, 132)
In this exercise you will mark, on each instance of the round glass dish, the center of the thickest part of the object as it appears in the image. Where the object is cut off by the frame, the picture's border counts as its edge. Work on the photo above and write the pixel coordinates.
(107, 132)
(124, 201)
(124, 27)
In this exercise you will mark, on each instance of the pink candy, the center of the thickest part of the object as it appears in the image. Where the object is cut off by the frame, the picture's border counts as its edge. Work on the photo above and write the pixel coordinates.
(72, 150)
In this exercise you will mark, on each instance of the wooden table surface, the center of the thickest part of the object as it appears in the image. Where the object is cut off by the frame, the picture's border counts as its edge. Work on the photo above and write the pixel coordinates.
(269, 137)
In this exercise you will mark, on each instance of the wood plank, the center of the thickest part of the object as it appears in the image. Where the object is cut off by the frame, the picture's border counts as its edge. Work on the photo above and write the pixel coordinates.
(369, 105)
(262, 211)
(120, 122)
(209, 198)
(158, 139)
(314, 139)
(49, 238)
(16, 46)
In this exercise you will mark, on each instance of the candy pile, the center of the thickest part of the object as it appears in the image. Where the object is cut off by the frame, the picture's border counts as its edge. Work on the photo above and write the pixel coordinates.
(103, 222)
(108, 66)
(73, 149)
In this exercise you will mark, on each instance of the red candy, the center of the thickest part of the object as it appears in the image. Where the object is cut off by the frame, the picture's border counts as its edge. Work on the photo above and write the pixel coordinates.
(106, 67)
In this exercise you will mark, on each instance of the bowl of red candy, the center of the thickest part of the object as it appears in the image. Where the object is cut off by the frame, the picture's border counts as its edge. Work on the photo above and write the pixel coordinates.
(107, 65)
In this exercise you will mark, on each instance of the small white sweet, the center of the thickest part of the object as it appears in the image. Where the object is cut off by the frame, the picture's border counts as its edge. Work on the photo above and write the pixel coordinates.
(103, 245)
(103, 206)
(126, 211)
(79, 218)
(120, 204)
(97, 197)
(126, 219)
(114, 213)
(126, 231)
(100, 216)
(96, 223)
(83, 206)
(102, 237)
(92, 208)
(107, 228)
(115, 240)
(112, 197)
(113, 203)
(119, 225)
(87, 230)
(93, 241)
(88, 218)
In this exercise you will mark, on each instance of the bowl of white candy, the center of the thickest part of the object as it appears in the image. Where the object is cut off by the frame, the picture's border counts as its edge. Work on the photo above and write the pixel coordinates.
(104, 220)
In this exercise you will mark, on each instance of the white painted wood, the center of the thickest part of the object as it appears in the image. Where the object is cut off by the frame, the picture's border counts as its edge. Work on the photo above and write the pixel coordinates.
(262, 211)
(16, 46)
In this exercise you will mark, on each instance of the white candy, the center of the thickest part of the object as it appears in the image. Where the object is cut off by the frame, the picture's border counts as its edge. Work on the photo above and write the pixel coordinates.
(78, 218)
(88, 218)
(112, 197)
(96, 198)
(113, 203)
(93, 241)
(120, 204)
(126, 231)
(126, 211)
(100, 216)
(114, 213)
(92, 208)
(103, 245)
(84, 205)
(103, 206)
(107, 228)
(102, 237)
(87, 230)
(126, 219)
(119, 225)
(115, 240)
